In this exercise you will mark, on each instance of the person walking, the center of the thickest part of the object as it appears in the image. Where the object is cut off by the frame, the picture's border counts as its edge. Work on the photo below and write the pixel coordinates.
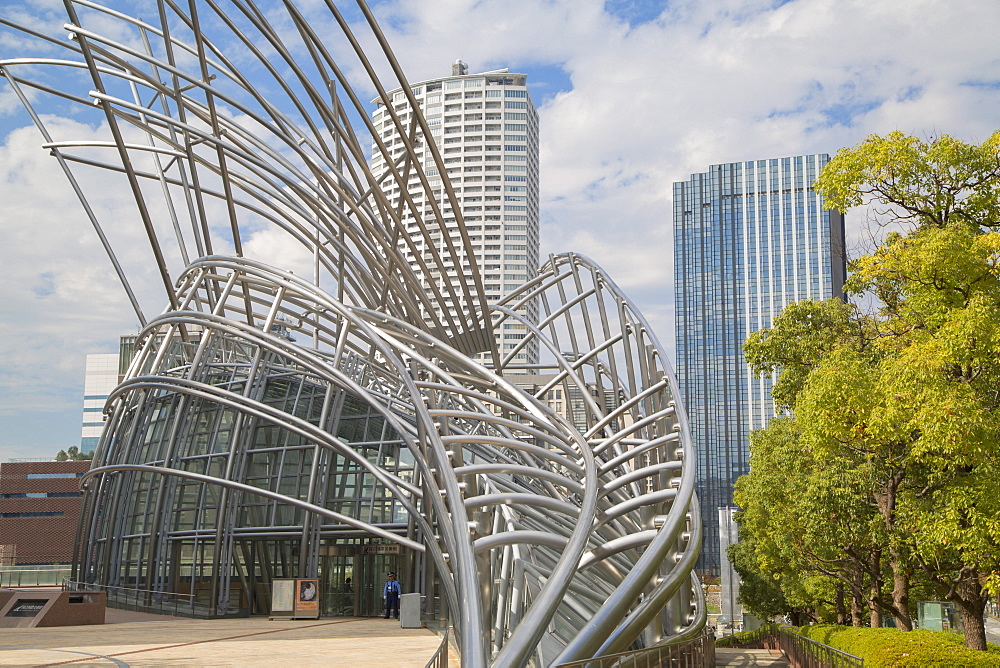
(391, 595)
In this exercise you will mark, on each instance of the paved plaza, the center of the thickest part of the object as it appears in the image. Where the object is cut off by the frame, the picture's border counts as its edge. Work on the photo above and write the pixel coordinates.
(135, 639)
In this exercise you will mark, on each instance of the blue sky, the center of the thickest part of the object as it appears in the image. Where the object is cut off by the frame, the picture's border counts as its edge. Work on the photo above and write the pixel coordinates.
(632, 97)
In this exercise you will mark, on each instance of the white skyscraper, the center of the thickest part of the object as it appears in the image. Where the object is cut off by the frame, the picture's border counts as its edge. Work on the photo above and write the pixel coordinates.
(486, 129)
(101, 379)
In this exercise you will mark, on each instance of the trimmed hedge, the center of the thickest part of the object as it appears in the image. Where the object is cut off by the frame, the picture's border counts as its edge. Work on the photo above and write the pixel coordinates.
(891, 648)
(745, 637)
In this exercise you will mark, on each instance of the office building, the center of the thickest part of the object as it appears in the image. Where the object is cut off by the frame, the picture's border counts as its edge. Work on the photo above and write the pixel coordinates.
(103, 373)
(486, 129)
(101, 378)
(40, 505)
(749, 238)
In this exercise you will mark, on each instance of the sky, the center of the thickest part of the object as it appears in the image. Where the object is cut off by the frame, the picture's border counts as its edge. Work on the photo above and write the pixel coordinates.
(632, 96)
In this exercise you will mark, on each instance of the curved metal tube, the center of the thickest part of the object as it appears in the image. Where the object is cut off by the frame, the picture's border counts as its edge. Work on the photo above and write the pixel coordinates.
(542, 533)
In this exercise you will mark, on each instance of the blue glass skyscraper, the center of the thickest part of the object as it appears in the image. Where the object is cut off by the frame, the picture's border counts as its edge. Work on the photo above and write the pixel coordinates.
(749, 238)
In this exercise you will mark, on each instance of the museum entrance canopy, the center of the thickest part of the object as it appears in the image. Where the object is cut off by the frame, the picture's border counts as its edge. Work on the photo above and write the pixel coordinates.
(329, 421)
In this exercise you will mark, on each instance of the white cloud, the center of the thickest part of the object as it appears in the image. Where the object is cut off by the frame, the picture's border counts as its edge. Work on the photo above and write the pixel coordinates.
(60, 297)
(641, 106)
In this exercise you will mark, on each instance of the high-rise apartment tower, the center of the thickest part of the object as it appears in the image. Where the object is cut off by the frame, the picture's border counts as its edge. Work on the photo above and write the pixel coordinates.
(749, 238)
(486, 128)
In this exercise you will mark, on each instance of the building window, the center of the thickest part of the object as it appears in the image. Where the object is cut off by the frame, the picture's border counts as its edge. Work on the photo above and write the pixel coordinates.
(31, 476)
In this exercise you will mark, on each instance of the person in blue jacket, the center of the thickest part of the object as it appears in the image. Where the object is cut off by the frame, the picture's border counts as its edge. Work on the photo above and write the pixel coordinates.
(391, 595)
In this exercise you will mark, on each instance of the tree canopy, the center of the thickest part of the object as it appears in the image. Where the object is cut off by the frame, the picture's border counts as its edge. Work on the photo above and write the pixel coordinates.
(896, 410)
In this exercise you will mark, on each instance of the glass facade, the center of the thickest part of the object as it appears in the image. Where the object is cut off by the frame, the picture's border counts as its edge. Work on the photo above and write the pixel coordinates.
(172, 534)
(749, 238)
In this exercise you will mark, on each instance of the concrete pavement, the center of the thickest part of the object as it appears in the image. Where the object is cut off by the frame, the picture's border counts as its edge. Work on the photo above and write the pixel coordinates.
(993, 630)
(749, 657)
(152, 640)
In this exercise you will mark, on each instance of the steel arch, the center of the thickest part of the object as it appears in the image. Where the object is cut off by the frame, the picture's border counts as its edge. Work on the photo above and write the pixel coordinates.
(550, 535)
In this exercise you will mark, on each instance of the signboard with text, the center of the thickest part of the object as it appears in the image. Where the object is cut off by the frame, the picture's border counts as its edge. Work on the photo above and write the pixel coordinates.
(282, 598)
(295, 599)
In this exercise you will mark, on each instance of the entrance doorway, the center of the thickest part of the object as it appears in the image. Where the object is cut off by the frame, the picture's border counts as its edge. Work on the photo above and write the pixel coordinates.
(351, 581)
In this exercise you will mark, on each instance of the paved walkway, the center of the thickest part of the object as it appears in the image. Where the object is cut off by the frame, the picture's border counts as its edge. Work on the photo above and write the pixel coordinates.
(749, 657)
(993, 630)
(135, 639)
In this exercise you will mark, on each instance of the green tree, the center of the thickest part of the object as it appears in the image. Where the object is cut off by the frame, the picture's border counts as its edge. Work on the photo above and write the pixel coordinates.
(809, 524)
(938, 328)
(73, 453)
(900, 407)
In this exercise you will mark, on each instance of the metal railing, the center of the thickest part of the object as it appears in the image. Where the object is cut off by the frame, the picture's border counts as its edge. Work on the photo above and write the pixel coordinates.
(698, 652)
(440, 658)
(804, 652)
(766, 637)
(156, 602)
(34, 577)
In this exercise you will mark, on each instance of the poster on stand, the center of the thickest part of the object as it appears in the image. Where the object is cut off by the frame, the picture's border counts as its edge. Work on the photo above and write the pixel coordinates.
(307, 598)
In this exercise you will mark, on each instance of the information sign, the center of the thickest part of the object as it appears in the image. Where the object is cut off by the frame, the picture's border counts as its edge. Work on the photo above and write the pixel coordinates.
(282, 598)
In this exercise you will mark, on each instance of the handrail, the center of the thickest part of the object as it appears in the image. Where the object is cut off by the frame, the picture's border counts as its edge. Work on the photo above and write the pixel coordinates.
(694, 653)
(33, 577)
(71, 585)
(802, 651)
(176, 604)
(440, 658)
(805, 652)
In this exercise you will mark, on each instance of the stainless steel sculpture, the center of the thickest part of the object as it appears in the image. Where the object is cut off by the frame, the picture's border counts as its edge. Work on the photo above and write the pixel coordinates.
(235, 453)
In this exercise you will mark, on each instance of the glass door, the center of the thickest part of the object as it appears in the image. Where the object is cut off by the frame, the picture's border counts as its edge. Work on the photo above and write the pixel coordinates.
(337, 586)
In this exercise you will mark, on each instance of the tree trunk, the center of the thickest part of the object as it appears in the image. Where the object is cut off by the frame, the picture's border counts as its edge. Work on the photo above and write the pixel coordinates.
(874, 611)
(875, 588)
(900, 592)
(886, 502)
(857, 600)
(971, 601)
(857, 610)
(841, 605)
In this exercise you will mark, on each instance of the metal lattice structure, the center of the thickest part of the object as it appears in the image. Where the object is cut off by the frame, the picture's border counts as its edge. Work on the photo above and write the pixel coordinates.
(234, 454)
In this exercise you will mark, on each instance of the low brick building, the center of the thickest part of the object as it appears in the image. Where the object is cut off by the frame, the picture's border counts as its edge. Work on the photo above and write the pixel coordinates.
(40, 505)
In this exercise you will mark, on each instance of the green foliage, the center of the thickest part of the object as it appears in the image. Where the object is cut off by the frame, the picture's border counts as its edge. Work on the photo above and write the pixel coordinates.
(803, 334)
(799, 516)
(890, 648)
(898, 410)
(941, 181)
(72, 453)
(760, 594)
(744, 638)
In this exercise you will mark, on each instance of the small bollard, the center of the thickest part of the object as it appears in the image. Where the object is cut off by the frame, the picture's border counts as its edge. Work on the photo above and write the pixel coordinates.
(409, 611)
